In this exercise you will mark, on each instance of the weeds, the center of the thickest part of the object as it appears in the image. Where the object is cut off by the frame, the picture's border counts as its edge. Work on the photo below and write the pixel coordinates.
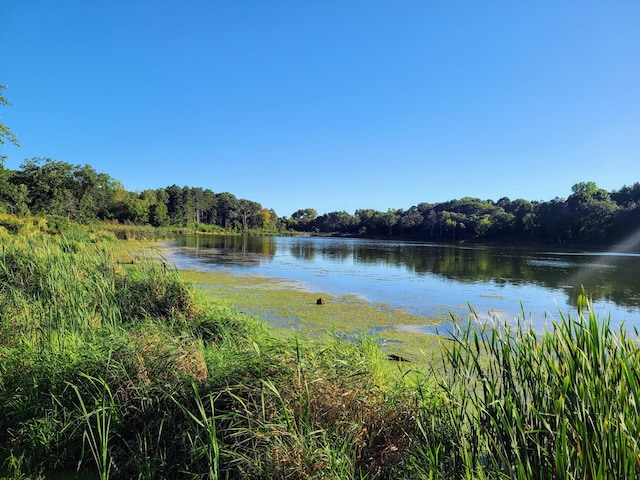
(563, 404)
(123, 367)
(203, 436)
(98, 413)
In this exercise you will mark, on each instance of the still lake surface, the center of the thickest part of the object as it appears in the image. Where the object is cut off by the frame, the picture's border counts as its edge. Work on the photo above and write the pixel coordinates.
(433, 280)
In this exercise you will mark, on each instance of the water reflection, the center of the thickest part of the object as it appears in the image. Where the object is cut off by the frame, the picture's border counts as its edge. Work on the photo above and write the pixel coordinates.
(303, 251)
(431, 278)
(228, 249)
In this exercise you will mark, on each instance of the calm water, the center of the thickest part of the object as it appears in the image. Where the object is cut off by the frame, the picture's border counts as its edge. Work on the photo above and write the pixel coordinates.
(431, 279)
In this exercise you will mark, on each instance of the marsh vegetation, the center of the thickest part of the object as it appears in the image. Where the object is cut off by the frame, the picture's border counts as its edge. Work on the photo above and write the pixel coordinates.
(127, 370)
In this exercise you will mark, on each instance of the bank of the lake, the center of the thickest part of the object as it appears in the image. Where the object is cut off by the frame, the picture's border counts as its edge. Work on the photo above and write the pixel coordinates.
(288, 309)
(111, 360)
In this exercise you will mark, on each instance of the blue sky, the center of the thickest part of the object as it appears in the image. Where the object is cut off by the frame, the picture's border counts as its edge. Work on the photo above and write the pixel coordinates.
(332, 104)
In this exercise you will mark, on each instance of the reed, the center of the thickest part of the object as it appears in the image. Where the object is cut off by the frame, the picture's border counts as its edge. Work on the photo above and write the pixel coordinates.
(141, 232)
(98, 414)
(125, 368)
(563, 404)
(202, 436)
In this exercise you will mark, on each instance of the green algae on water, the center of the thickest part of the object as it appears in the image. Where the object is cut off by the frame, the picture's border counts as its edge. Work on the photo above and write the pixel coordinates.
(288, 307)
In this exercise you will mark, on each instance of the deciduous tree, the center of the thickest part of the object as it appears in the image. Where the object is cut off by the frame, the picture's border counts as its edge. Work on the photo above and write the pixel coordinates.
(6, 135)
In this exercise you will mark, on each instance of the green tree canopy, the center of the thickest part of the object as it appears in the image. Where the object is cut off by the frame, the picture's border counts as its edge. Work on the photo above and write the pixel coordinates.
(6, 135)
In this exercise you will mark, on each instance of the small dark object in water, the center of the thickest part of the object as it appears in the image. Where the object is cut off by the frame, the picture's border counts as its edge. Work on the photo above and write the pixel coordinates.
(397, 358)
(320, 301)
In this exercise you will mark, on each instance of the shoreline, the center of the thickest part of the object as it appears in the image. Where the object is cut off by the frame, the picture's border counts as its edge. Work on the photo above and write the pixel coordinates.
(289, 308)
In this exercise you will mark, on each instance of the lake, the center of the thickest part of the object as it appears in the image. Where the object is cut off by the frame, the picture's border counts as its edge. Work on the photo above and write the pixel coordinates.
(433, 280)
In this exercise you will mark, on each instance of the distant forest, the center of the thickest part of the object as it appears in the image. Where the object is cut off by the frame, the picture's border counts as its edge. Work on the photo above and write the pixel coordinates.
(590, 215)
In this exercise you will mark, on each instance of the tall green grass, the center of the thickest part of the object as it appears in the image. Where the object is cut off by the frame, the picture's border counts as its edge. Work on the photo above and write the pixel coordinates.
(561, 404)
(121, 368)
(140, 232)
(98, 414)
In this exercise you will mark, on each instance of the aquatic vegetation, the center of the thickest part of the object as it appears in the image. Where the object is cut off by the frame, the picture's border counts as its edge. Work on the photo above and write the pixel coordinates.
(561, 404)
(126, 369)
(288, 307)
(123, 368)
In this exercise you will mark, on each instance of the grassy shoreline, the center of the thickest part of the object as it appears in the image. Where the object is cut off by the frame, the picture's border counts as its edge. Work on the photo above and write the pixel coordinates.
(127, 370)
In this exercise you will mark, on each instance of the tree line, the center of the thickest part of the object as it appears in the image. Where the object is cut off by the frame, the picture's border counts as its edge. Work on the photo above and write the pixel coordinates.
(589, 215)
(48, 187)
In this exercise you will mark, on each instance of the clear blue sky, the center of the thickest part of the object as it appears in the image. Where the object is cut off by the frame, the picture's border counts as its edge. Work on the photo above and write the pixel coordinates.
(329, 104)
